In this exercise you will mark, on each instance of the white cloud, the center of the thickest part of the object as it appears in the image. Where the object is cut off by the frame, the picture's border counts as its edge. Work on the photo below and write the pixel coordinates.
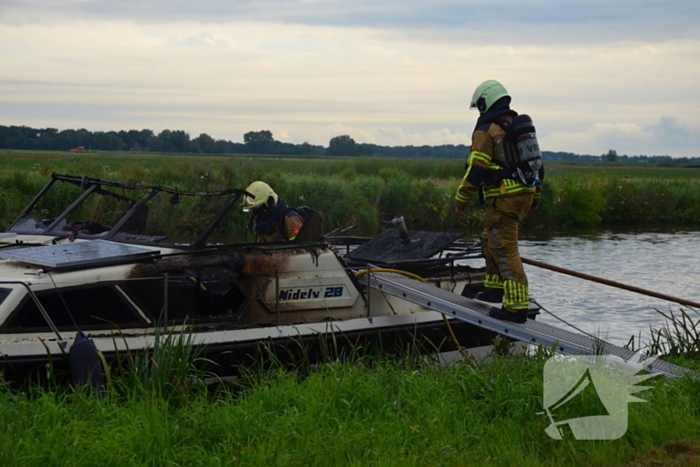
(396, 136)
(202, 39)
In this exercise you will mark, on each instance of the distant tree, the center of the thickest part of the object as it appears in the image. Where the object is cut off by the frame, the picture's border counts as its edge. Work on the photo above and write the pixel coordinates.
(342, 145)
(107, 141)
(259, 142)
(68, 139)
(47, 132)
(262, 136)
(221, 146)
(262, 142)
(136, 139)
(12, 137)
(365, 149)
(306, 149)
(173, 141)
(206, 143)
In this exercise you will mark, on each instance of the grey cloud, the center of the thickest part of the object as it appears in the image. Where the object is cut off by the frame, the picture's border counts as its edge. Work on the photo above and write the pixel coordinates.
(673, 134)
(488, 21)
(668, 136)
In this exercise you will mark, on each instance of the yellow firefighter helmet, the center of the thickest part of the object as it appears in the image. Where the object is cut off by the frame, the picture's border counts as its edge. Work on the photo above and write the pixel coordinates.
(263, 195)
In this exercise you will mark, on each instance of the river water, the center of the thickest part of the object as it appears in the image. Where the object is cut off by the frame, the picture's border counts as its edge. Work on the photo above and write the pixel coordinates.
(664, 261)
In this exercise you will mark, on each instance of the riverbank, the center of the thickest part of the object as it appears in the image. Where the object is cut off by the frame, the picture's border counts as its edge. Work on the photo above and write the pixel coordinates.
(368, 191)
(364, 411)
(373, 410)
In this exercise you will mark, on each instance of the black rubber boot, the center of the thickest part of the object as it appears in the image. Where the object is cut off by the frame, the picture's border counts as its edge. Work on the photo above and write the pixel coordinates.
(490, 295)
(502, 313)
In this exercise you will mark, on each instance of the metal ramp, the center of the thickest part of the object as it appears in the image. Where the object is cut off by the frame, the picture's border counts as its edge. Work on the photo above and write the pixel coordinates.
(533, 332)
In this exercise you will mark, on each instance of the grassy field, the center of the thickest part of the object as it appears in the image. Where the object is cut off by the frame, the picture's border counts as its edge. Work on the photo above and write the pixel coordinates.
(368, 191)
(430, 168)
(50, 161)
(362, 411)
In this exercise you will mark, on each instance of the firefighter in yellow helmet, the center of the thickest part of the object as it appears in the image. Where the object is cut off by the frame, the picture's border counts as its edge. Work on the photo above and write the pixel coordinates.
(508, 200)
(270, 218)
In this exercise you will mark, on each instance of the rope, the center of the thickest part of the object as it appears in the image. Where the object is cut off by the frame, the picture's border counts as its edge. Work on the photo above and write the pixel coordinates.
(58, 291)
(562, 319)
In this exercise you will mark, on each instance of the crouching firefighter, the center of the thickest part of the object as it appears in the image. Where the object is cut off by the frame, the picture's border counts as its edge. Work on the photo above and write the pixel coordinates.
(505, 166)
(270, 217)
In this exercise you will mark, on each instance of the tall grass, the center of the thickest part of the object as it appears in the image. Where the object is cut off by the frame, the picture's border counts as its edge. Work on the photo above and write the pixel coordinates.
(368, 191)
(679, 335)
(644, 201)
(367, 411)
(171, 370)
(344, 408)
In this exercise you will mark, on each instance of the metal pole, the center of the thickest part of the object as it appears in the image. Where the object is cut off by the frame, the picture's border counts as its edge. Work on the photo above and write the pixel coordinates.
(165, 304)
(369, 288)
(199, 243)
(611, 283)
(36, 199)
(277, 295)
(70, 208)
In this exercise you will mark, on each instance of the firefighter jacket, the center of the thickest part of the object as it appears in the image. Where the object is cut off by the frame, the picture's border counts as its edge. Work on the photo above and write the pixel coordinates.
(290, 223)
(485, 165)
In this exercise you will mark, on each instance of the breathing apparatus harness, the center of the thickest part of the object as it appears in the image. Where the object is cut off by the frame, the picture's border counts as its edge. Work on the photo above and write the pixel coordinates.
(523, 157)
(522, 151)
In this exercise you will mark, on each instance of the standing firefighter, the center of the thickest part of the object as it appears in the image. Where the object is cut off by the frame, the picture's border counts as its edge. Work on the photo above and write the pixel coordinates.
(506, 165)
(270, 218)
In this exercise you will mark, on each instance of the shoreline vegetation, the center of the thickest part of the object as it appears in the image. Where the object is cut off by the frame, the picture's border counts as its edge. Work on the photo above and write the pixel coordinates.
(367, 407)
(370, 190)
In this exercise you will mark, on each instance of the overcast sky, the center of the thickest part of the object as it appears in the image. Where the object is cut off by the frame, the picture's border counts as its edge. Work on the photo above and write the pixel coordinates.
(593, 75)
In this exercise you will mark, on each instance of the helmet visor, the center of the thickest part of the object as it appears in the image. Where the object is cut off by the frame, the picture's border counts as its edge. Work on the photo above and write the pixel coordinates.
(255, 209)
(249, 204)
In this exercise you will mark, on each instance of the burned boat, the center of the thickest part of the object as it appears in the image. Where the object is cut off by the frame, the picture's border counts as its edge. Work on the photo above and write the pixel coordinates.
(93, 257)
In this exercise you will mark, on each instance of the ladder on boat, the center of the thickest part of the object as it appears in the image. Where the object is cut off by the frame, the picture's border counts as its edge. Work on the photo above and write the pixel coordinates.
(532, 332)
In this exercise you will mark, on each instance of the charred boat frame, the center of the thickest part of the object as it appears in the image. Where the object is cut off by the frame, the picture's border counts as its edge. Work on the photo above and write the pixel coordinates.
(120, 283)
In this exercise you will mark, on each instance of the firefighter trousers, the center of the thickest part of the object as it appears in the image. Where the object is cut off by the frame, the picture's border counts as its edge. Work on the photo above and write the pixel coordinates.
(499, 244)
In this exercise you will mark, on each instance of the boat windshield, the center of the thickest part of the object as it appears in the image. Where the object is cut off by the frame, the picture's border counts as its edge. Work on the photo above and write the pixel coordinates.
(82, 207)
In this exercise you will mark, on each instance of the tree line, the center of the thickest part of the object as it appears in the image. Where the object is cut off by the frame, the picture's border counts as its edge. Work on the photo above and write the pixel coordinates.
(254, 142)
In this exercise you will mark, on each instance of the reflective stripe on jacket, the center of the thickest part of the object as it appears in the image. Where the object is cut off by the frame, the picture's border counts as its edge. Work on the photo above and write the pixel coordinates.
(486, 157)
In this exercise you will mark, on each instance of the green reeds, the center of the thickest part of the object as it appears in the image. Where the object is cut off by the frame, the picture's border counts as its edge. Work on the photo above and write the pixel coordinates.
(362, 191)
(679, 336)
(171, 370)
(652, 200)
